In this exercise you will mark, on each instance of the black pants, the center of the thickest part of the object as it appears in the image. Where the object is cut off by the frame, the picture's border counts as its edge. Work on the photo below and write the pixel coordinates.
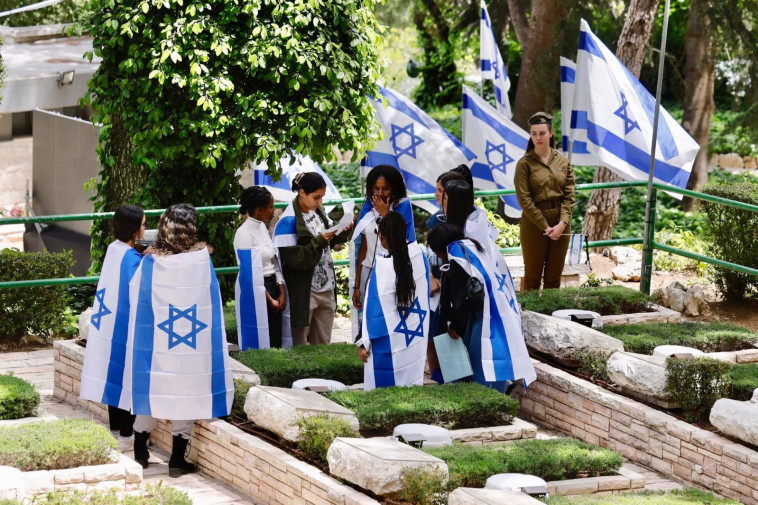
(274, 318)
(121, 420)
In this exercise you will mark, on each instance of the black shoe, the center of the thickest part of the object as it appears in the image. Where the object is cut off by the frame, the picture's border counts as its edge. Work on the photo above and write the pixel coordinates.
(177, 465)
(126, 429)
(140, 447)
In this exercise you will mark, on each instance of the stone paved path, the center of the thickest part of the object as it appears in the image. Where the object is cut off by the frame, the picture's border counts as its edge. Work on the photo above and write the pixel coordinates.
(37, 368)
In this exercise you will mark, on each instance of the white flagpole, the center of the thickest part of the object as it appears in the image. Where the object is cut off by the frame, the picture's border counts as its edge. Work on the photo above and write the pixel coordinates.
(647, 250)
(481, 72)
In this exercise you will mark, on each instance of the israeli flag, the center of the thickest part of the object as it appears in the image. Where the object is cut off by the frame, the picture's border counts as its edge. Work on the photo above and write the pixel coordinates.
(613, 113)
(177, 359)
(396, 338)
(498, 144)
(574, 253)
(250, 301)
(492, 65)
(500, 350)
(285, 231)
(414, 144)
(282, 189)
(104, 358)
(580, 156)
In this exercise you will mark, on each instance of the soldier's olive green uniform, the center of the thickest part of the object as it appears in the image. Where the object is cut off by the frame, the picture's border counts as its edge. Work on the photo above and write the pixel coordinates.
(546, 196)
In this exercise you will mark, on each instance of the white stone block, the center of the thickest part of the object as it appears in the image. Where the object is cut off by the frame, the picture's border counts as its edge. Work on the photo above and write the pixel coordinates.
(39, 482)
(642, 376)
(377, 464)
(736, 419)
(278, 409)
(473, 496)
(664, 351)
(432, 436)
(12, 485)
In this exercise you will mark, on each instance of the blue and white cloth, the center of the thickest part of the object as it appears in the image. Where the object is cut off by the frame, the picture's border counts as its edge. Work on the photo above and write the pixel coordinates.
(580, 156)
(396, 338)
(574, 252)
(414, 144)
(498, 144)
(285, 231)
(492, 65)
(178, 365)
(103, 370)
(250, 301)
(613, 114)
(498, 350)
(290, 167)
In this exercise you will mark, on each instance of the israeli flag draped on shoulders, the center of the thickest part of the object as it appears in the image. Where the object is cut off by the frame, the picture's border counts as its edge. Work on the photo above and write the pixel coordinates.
(498, 144)
(395, 337)
(104, 358)
(285, 231)
(250, 301)
(177, 353)
(613, 113)
(282, 189)
(414, 144)
(491, 63)
(501, 344)
(580, 156)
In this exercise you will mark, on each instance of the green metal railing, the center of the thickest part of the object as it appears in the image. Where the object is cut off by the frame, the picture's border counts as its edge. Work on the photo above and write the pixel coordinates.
(487, 193)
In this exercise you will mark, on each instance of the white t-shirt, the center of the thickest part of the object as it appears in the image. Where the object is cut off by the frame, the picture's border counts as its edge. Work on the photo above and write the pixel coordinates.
(254, 234)
(323, 274)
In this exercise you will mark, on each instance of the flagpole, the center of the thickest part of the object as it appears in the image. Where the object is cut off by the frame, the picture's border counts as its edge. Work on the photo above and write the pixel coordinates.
(481, 72)
(647, 249)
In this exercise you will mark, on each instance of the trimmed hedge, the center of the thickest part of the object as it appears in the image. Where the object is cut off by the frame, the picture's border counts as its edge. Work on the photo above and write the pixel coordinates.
(52, 445)
(282, 367)
(708, 337)
(744, 380)
(318, 432)
(464, 405)
(687, 496)
(696, 384)
(553, 459)
(18, 398)
(152, 494)
(605, 300)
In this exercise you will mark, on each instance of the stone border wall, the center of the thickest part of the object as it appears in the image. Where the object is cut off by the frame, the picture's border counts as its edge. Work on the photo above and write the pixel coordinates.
(641, 434)
(244, 462)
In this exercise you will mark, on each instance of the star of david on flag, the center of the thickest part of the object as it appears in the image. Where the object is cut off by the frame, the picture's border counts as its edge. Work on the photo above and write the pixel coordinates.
(491, 63)
(497, 157)
(402, 326)
(405, 136)
(620, 136)
(102, 310)
(176, 315)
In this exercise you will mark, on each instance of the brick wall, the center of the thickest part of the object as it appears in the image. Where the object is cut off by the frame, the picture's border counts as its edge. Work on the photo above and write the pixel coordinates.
(641, 434)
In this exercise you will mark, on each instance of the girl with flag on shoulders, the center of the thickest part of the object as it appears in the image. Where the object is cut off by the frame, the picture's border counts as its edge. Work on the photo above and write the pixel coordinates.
(103, 370)
(459, 209)
(396, 313)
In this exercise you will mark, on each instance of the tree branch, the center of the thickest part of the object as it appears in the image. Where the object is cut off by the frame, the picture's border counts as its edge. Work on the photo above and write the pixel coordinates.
(520, 24)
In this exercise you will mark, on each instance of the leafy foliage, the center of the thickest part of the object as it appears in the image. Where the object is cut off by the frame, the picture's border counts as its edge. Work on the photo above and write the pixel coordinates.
(696, 384)
(552, 459)
(708, 337)
(318, 432)
(18, 398)
(51, 445)
(80, 297)
(593, 364)
(687, 496)
(744, 380)
(64, 12)
(282, 367)
(424, 487)
(37, 310)
(681, 239)
(241, 389)
(463, 405)
(605, 300)
(152, 494)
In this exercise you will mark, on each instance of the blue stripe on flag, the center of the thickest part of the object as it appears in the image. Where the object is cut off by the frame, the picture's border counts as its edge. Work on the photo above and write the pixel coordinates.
(413, 183)
(406, 210)
(381, 346)
(486, 65)
(482, 171)
(568, 74)
(144, 335)
(248, 338)
(511, 201)
(115, 380)
(506, 133)
(579, 120)
(262, 179)
(587, 43)
(218, 377)
(286, 226)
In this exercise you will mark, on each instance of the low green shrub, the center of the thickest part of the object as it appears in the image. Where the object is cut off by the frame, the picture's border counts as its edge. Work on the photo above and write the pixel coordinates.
(241, 388)
(681, 239)
(605, 300)
(465, 405)
(744, 380)
(553, 459)
(696, 384)
(593, 364)
(152, 494)
(424, 487)
(282, 367)
(38, 310)
(52, 445)
(318, 432)
(230, 323)
(80, 297)
(687, 496)
(18, 398)
(708, 337)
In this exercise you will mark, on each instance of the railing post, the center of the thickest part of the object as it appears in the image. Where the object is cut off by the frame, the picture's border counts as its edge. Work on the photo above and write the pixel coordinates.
(646, 273)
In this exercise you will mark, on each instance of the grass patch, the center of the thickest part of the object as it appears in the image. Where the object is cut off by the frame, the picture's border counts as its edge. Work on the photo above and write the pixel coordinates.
(686, 496)
(554, 459)
(230, 323)
(605, 300)
(708, 337)
(282, 367)
(744, 380)
(152, 494)
(453, 406)
(18, 398)
(318, 432)
(64, 443)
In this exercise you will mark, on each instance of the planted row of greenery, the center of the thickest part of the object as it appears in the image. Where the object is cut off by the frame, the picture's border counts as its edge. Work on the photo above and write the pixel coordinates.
(152, 494)
(707, 337)
(318, 432)
(553, 459)
(18, 398)
(453, 406)
(687, 496)
(52, 445)
(606, 300)
(282, 367)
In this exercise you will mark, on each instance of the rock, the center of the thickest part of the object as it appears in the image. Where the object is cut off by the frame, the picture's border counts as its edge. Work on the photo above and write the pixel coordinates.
(562, 339)
(754, 399)
(627, 273)
(664, 351)
(690, 301)
(641, 376)
(84, 319)
(475, 496)
(736, 419)
(662, 296)
(11, 483)
(751, 163)
(377, 464)
(623, 255)
(278, 409)
(730, 161)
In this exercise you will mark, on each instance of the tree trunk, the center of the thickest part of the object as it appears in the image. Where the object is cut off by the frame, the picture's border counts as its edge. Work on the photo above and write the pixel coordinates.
(603, 207)
(699, 75)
